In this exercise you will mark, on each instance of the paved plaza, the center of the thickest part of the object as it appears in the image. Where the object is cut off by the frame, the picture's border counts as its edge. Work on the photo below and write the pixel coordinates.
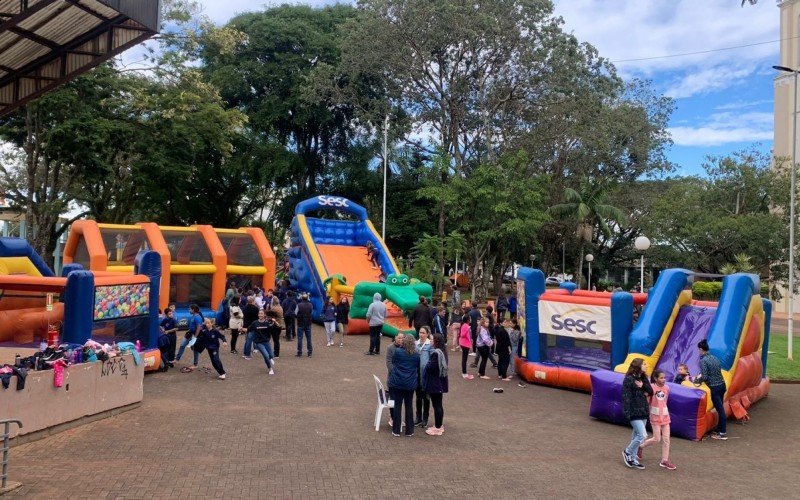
(307, 432)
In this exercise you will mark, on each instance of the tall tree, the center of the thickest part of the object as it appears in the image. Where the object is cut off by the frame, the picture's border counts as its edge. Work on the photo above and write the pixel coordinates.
(267, 75)
(587, 208)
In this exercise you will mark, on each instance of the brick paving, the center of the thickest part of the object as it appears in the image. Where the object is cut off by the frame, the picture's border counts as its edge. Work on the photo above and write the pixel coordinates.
(307, 432)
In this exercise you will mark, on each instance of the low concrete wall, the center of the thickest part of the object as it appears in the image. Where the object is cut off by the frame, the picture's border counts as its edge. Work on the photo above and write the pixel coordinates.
(89, 389)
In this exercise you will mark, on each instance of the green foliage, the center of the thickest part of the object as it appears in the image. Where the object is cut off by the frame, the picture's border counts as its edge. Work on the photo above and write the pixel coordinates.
(707, 290)
(426, 253)
(495, 112)
(778, 365)
(712, 290)
(588, 207)
(707, 222)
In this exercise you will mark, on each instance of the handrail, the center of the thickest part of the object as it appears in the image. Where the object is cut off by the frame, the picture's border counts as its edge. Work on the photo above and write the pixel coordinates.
(6, 434)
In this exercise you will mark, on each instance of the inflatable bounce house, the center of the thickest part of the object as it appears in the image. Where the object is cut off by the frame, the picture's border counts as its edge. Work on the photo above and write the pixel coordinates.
(328, 257)
(197, 261)
(666, 335)
(570, 333)
(103, 305)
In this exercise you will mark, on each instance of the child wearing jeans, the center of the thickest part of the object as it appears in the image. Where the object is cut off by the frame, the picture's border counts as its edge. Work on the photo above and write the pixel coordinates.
(659, 418)
(635, 390)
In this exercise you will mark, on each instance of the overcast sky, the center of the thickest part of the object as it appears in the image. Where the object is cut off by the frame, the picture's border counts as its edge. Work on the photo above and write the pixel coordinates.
(723, 98)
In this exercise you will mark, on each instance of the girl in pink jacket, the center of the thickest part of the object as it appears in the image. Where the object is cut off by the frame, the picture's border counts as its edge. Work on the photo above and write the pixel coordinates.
(659, 418)
(465, 341)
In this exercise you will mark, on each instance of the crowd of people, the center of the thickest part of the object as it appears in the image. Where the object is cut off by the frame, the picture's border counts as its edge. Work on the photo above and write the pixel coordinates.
(260, 315)
(417, 369)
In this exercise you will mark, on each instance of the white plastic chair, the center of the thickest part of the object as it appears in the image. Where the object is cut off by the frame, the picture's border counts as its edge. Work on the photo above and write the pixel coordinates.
(383, 402)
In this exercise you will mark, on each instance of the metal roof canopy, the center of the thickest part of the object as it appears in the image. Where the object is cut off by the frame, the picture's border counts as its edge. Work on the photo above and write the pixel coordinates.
(44, 43)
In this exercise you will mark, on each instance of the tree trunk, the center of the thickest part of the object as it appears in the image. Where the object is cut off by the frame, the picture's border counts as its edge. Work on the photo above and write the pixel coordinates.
(578, 274)
(440, 227)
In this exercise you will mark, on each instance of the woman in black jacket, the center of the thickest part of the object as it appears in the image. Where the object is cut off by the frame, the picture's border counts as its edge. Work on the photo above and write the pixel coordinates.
(635, 391)
(435, 383)
(342, 313)
(503, 349)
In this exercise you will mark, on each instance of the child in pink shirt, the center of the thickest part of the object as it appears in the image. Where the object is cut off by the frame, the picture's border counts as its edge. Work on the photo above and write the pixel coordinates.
(465, 341)
(659, 418)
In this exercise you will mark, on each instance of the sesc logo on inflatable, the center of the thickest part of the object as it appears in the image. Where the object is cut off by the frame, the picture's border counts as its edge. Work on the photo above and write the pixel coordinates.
(332, 201)
(570, 323)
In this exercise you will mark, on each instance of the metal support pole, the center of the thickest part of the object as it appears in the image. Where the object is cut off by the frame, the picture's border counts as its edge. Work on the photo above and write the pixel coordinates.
(6, 435)
(641, 280)
(385, 170)
(792, 202)
(589, 284)
(563, 262)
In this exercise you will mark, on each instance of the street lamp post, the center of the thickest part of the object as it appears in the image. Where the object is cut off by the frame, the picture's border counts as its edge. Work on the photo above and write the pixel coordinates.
(385, 169)
(642, 243)
(589, 259)
(793, 181)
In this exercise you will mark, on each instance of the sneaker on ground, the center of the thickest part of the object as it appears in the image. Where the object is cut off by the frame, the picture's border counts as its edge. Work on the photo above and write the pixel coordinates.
(247, 358)
(667, 465)
(395, 435)
(626, 459)
(271, 371)
(637, 465)
(472, 354)
(719, 436)
(221, 377)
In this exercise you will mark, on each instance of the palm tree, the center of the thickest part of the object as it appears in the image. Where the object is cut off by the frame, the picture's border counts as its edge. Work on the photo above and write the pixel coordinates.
(741, 264)
(587, 208)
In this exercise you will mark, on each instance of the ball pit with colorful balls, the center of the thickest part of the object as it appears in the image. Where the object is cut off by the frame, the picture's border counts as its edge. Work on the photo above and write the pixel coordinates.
(121, 301)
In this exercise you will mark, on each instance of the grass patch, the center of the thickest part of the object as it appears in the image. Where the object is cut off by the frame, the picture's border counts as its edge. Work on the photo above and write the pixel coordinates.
(778, 367)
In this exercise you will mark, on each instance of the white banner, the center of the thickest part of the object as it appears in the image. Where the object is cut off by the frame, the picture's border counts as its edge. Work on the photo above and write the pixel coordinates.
(575, 320)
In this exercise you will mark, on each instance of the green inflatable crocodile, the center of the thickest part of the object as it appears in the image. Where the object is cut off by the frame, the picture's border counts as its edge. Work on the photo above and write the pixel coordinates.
(398, 289)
